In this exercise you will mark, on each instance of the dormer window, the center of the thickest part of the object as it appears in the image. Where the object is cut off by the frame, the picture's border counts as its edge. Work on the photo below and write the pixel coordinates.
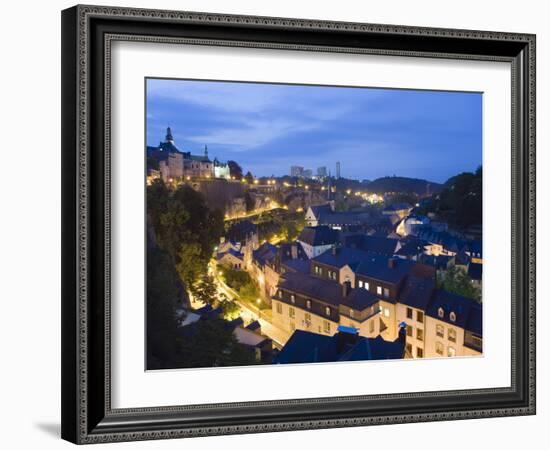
(452, 316)
(327, 311)
(440, 312)
(292, 298)
(308, 304)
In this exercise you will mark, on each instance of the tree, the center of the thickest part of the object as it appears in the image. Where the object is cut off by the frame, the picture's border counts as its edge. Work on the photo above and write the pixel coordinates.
(235, 170)
(456, 281)
(249, 177)
(205, 290)
(211, 343)
(230, 309)
(249, 202)
(164, 293)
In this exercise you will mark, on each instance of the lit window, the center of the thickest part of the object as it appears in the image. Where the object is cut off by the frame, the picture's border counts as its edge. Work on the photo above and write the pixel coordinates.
(420, 316)
(452, 316)
(451, 352)
(308, 304)
(387, 312)
(291, 313)
(379, 290)
(440, 331)
(292, 298)
(326, 326)
(439, 348)
(367, 285)
(409, 313)
(419, 352)
(419, 334)
(440, 312)
(452, 334)
(279, 307)
(360, 284)
(327, 311)
(386, 292)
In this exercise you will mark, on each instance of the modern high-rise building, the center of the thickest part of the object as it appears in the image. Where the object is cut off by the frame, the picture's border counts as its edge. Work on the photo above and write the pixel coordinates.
(296, 171)
(322, 171)
(338, 170)
(307, 173)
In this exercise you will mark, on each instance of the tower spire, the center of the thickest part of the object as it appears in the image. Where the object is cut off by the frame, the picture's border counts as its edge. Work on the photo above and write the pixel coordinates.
(206, 151)
(169, 137)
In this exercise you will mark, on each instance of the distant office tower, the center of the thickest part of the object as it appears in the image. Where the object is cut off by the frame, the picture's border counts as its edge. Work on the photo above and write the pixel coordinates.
(296, 171)
(338, 170)
(307, 173)
(322, 171)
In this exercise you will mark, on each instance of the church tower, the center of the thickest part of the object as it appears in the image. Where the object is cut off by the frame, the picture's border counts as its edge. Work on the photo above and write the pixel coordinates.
(169, 138)
(206, 151)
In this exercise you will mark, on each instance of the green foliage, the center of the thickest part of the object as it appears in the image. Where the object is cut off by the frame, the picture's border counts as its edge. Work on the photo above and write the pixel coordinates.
(249, 202)
(164, 293)
(184, 227)
(455, 280)
(460, 203)
(231, 310)
(235, 279)
(212, 344)
(235, 170)
(403, 184)
(205, 290)
(249, 177)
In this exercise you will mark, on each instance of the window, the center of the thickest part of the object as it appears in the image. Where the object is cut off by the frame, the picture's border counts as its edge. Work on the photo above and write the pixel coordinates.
(316, 269)
(409, 330)
(409, 313)
(451, 352)
(292, 326)
(419, 334)
(279, 307)
(452, 335)
(308, 320)
(452, 316)
(291, 312)
(439, 348)
(366, 285)
(379, 290)
(386, 292)
(420, 316)
(440, 331)
(351, 313)
(327, 311)
(280, 293)
(326, 326)
(440, 312)
(308, 304)
(371, 326)
(387, 312)
(409, 348)
(292, 298)
(419, 352)
(360, 284)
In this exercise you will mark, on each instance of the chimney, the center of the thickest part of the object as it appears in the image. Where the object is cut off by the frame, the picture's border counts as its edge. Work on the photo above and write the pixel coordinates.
(346, 288)
(392, 263)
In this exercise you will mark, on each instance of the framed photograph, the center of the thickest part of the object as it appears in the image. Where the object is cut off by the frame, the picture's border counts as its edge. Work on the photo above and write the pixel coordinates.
(280, 224)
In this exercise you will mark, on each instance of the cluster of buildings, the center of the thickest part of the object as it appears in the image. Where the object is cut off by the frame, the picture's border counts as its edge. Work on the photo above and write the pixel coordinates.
(301, 172)
(348, 279)
(174, 164)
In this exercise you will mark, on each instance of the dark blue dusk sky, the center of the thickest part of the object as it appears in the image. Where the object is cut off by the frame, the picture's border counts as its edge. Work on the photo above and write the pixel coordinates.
(267, 128)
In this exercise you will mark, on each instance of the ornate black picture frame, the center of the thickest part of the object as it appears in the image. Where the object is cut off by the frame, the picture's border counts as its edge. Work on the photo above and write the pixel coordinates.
(87, 34)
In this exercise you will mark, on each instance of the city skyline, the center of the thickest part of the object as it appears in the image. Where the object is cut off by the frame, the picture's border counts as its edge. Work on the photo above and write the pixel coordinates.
(267, 128)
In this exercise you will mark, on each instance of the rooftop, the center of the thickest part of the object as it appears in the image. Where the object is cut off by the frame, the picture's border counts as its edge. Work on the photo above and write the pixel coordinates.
(317, 236)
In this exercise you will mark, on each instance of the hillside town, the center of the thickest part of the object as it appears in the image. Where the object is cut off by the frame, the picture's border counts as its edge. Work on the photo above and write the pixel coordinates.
(311, 266)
